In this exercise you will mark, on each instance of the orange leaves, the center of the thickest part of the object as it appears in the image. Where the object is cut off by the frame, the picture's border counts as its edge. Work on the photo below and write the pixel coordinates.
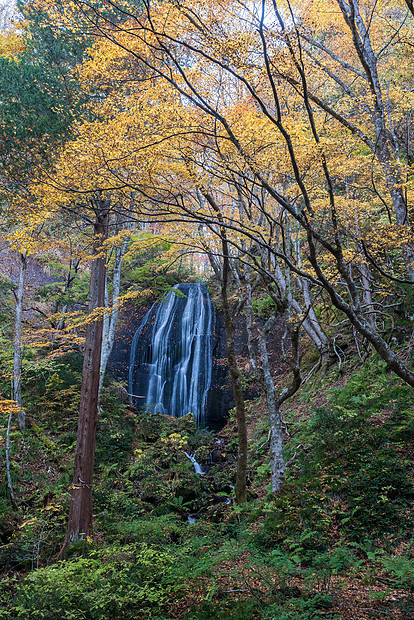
(27, 231)
(8, 406)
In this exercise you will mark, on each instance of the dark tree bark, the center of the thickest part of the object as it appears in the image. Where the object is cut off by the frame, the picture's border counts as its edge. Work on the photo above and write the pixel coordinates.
(410, 6)
(240, 487)
(80, 512)
(223, 277)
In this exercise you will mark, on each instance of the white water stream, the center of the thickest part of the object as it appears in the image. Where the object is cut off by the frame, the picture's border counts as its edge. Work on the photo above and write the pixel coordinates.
(197, 466)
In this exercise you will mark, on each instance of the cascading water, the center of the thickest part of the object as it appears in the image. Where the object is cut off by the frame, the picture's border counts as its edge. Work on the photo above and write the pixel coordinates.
(171, 354)
(197, 467)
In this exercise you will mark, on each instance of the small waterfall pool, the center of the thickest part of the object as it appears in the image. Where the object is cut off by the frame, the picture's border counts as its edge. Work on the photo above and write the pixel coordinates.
(171, 354)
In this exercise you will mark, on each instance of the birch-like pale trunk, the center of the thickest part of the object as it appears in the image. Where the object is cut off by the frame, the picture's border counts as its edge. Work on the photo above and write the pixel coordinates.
(310, 323)
(17, 361)
(9, 480)
(111, 318)
(277, 463)
(386, 147)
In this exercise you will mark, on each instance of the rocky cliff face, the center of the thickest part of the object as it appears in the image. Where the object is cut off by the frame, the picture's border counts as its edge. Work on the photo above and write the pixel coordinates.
(130, 317)
(220, 397)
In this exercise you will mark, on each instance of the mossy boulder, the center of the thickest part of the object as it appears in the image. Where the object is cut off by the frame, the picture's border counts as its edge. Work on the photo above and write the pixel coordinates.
(186, 424)
(154, 492)
(202, 455)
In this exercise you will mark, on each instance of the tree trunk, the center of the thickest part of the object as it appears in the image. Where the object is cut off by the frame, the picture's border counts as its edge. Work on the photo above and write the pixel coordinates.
(223, 277)
(240, 488)
(110, 320)
(277, 463)
(386, 146)
(80, 513)
(249, 322)
(9, 480)
(17, 365)
(310, 322)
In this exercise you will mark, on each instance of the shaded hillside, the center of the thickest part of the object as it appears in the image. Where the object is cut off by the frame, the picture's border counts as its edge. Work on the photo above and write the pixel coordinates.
(337, 542)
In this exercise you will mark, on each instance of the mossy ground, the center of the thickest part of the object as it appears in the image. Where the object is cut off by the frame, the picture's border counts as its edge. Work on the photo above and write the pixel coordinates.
(336, 543)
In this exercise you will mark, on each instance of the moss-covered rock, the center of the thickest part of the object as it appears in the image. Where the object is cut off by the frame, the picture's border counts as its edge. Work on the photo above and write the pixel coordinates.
(154, 492)
(203, 455)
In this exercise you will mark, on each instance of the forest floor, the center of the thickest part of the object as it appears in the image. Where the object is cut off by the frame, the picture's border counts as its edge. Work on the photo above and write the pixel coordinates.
(336, 543)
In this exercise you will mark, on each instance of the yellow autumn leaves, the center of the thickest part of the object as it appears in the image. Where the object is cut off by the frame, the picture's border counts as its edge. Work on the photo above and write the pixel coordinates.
(178, 85)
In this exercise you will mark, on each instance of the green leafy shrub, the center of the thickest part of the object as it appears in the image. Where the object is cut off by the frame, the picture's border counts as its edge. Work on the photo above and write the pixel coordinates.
(361, 467)
(164, 529)
(402, 570)
(119, 582)
(114, 435)
(53, 386)
(352, 471)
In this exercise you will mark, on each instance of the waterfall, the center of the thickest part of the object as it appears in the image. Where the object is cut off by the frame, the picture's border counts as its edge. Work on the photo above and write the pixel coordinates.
(171, 354)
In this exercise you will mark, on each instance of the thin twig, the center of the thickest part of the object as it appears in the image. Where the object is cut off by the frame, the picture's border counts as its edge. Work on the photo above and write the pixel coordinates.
(357, 343)
(312, 371)
(268, 437)
(337, 354)
(290, 461)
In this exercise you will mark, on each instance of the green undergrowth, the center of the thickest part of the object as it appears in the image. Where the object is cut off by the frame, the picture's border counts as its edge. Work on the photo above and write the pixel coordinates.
(344, 517)
(352, 476)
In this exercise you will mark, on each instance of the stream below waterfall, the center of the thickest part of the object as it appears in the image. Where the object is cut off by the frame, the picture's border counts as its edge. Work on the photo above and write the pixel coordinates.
(197, 467)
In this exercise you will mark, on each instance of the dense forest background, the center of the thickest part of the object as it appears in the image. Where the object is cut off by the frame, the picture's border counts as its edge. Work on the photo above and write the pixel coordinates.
(266, 150)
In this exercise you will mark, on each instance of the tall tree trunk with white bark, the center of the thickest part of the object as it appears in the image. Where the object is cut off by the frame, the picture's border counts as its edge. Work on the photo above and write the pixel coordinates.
(17, 362)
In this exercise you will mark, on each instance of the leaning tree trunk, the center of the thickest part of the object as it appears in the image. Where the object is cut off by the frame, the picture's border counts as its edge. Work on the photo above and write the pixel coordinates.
(80, 512)
(310, 322)
(17, 365)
